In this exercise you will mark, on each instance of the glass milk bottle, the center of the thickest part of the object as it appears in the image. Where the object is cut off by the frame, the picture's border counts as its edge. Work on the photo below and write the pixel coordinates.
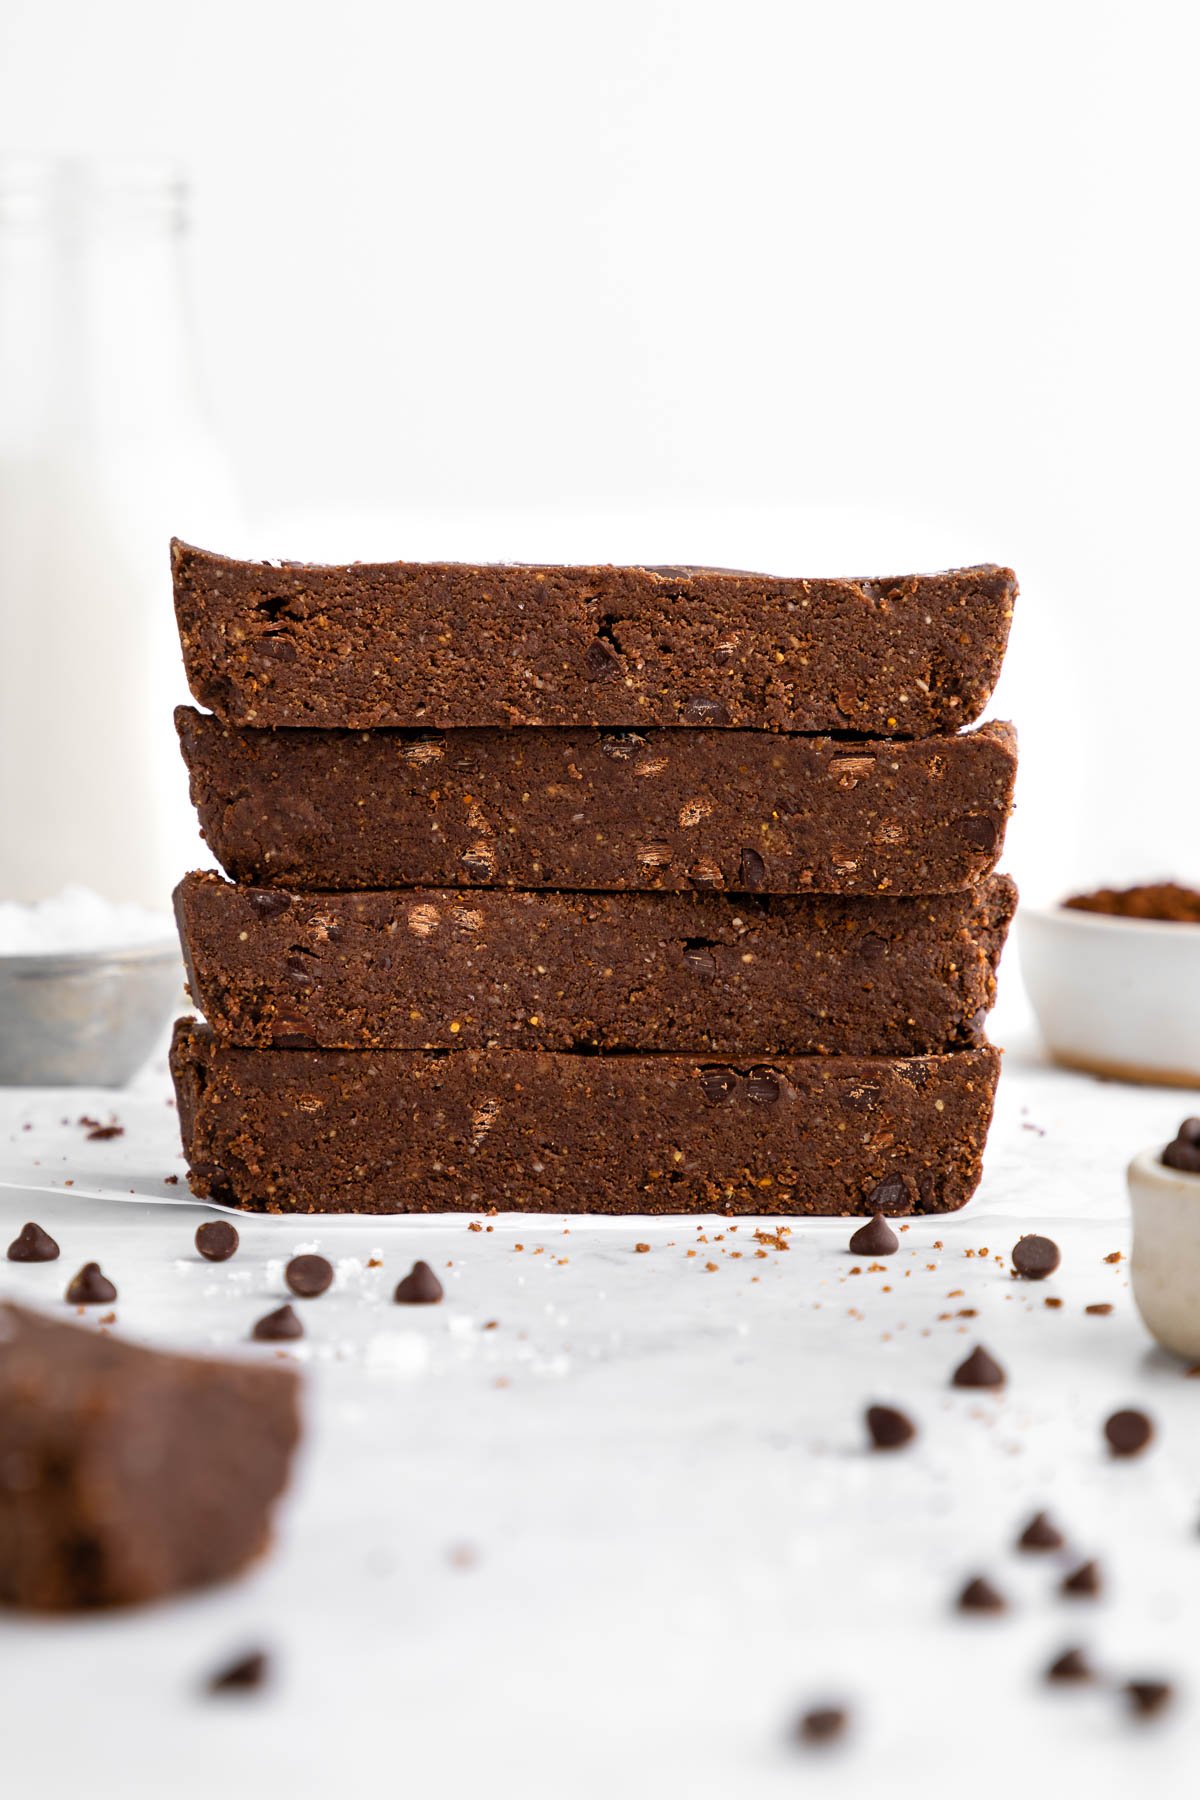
(104, 453)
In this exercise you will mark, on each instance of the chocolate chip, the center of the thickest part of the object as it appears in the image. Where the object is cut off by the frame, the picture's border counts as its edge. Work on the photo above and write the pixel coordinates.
(601, 659)
(890, 1429)
(1147, 1698)
(822, 1725)
(32, 1244)
(889, 1195)
(420, 1287)
(249, 1671)
(1184, 1152)
(1041, 1533)
(872, 948)
(292, 1040)
(275, 1327)
(478, 864)
(762, 1087)
(1128, 1432)
(697, 954)
(297, 967)
(268, 903)
(752, 871)
(1083, 1583)
(980, 833)
(1072, 1665)
(1035, 1257)
(980, 1596)
(876, 1238)
(700, 711)
(716, 1084)
(216, 1240)
(308, 1276)
(91, 1287)
(102, 1134)
(622, 746)
(981, 1370)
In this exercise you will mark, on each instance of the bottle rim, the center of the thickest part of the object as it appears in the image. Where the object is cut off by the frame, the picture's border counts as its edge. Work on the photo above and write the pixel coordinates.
(67, 193)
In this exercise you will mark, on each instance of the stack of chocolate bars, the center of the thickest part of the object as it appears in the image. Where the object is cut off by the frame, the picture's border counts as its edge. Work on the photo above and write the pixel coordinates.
(590, 889)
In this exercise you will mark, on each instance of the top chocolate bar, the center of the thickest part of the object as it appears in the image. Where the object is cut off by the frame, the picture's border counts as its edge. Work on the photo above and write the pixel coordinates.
(454, 644)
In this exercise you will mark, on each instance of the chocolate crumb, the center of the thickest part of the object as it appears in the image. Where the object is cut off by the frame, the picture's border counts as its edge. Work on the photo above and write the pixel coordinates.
(641, 1249)
(1052, 1301)
(1099, 1308)
(1041, 1533)
(32, 1245)
(1035, 1257)
(1128, 1432)
(90, 1287)
(980, 1370)
(101, 1133)
(890, 1429)
(250, 1671)
(420, 1287)
(876, 1238)
(979, 1595)
(308, 1276)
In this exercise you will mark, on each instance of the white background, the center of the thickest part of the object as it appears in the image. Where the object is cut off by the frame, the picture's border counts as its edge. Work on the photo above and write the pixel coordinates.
(851, 288)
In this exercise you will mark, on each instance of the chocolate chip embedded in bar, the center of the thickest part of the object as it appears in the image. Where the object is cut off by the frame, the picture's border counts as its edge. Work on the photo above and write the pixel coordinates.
(437, 968)
(742, 811)
(126, 1474)
(311, 1131)
(453, 644)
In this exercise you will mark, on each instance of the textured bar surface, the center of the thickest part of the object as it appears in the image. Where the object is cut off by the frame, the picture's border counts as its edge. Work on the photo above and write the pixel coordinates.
(430, 968)
(310, 1131)
(583, 809)
(126, 1474)
(452, 644)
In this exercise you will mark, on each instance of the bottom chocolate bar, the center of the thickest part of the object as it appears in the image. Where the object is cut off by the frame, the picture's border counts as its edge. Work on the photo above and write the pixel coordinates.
(338, 1131)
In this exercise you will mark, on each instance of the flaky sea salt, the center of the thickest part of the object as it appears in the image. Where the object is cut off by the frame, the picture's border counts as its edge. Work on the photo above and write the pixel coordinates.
(77, 919)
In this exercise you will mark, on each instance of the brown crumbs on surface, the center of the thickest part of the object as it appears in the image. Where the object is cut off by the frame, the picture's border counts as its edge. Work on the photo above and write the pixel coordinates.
(374, 1262)
(102, 1133)
(1115, 1256)
(641, 1249)
(171, 1180)
(1099, 1308)
(1052, 1301)
(475, 1225)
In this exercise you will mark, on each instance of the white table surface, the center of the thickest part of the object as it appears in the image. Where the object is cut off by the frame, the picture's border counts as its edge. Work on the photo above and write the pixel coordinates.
(656, 1477)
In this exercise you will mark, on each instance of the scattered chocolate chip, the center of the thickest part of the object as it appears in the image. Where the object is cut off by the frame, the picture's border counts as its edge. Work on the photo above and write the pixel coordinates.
(101, 1133)
(752, 871)
(981, 833)
(1035, 1257)
(1184, 1152)
(889, 1428)
(1099, 1309)
(1083, 1583)
(980, 1596)
(874, 1239)
(420, 1287)
(1072, 1665)
(1147, 1698)
(889, 1195)
(308, 1276)
(216, 1240)
(91, 1287)
(1041, 1533)
(32, 1244)
(1128, 1432)
(622, 746)
(981, 1370)
(275, 1327)
(249, 1671)
(822, 1725)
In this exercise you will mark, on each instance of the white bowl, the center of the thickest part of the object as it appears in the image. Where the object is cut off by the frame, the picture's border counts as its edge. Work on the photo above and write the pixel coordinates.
(1117, 997)
(1165, 1265)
